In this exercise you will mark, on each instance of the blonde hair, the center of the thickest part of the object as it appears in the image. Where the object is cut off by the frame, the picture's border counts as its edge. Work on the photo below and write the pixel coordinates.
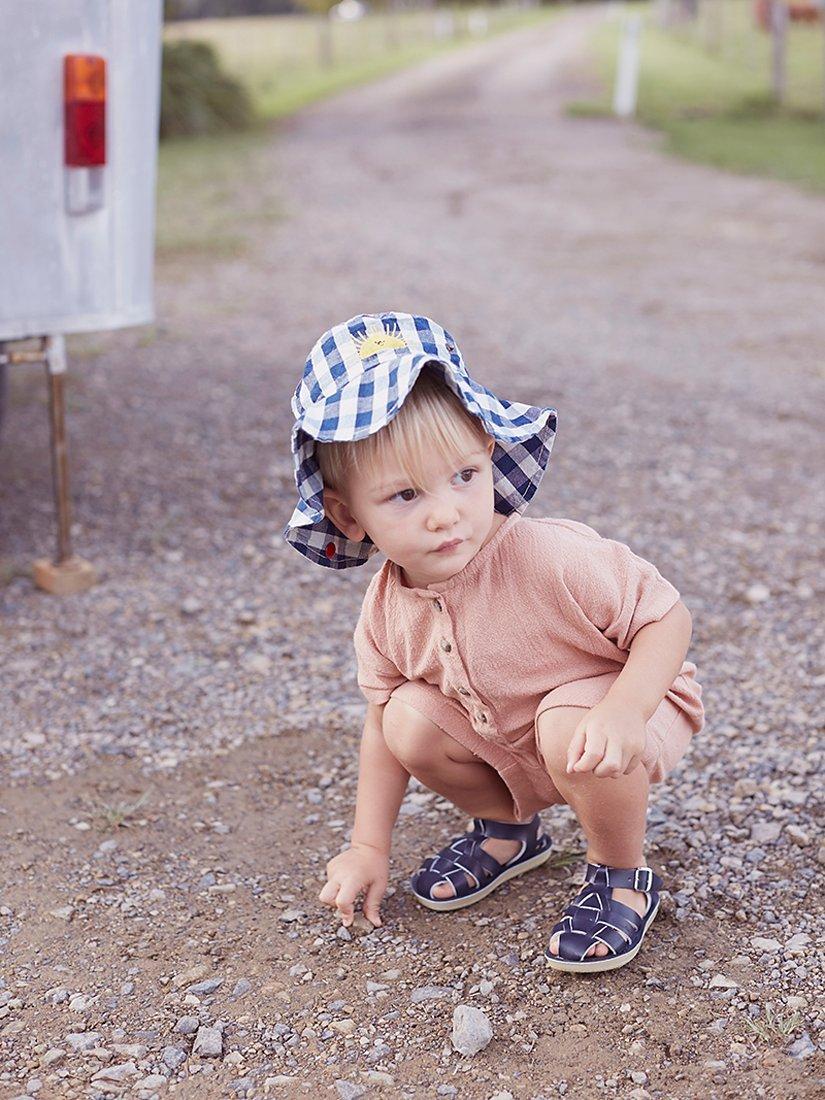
(431, 419)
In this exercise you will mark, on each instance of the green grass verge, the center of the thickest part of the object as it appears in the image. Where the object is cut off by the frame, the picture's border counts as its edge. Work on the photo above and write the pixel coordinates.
(715, 106)
(201, 183)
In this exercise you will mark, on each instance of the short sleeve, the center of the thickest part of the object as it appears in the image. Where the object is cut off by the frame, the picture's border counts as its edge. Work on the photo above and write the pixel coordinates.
(618, 591)
(378, 677)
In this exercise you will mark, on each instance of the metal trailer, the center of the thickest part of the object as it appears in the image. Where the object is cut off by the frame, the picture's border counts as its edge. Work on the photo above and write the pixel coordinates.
(79, 114)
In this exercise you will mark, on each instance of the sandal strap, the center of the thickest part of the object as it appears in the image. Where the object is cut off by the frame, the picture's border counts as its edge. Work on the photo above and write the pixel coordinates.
(594, 917)
(505, 830)
(629, 878)
(581, 927)
(464, 854)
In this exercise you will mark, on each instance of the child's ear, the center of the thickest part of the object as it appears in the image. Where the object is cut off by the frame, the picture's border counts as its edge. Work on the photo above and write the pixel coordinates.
(338, 511)
(491, 444)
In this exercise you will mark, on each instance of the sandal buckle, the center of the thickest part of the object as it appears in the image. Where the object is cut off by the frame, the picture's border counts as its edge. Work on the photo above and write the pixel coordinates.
(643, 879)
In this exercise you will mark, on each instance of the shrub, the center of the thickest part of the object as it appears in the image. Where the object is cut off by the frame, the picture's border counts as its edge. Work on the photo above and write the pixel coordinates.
(196, 97)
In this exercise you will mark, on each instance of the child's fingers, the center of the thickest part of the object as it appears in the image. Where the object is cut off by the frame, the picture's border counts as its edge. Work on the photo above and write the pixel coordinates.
(329, 892)
(344, 902)
(634, 762)
(339, 895)
(610, 765)
(372, 903)
(576, 747)
(593, 752)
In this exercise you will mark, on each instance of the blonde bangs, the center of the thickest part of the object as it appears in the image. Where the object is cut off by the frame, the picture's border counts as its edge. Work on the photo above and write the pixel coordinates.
(431, 420)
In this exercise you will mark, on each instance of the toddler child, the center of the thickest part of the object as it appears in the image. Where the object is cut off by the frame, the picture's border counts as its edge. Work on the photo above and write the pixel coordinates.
(508, 663)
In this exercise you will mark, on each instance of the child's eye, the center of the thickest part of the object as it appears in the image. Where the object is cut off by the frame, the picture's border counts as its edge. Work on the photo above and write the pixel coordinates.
(406, 499)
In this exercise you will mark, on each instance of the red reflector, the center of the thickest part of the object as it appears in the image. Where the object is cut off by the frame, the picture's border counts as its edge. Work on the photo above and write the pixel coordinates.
(84, 110)
(85, 135)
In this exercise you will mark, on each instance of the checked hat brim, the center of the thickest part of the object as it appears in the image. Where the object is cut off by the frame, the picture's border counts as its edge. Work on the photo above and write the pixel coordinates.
(523, 434)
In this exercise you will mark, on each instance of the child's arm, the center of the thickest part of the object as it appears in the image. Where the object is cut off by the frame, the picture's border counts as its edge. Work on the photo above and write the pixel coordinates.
(382, 782)
(364, 866)
(657, 652)
(610, 738)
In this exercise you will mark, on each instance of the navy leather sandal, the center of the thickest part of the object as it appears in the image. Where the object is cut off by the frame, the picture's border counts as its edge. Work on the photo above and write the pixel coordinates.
(464, 856)
(594, 917)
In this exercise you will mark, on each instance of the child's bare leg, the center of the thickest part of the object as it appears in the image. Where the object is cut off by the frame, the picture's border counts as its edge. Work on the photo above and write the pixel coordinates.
(442, 764)
(611, 812)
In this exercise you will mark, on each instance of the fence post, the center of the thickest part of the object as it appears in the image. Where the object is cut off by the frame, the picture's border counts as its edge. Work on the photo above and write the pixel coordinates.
(627, 72)
(779, 29)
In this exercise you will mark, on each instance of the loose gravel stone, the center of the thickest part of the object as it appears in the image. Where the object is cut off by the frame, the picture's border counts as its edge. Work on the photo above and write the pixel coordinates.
(173, 1057)
(802, 1048)
(472, 1030)
(208, 1043)
(761, 943)
(122, 1072)
(348, 1091)
(152, 1082)
(85, 1040)
(206, 987)
(429, 993)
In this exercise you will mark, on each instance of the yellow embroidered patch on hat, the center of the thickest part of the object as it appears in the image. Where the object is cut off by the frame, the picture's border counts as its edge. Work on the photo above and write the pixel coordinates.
(373, 343)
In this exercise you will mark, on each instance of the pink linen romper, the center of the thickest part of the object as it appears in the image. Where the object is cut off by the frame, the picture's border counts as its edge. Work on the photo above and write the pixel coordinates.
(542, 616)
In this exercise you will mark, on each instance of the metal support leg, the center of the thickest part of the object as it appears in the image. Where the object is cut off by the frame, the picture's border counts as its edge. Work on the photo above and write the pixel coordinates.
(55, 373)
(68, 573)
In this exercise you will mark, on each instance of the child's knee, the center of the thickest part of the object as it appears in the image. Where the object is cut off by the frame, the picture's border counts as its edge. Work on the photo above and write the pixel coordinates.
(413, 739)
(554, 731)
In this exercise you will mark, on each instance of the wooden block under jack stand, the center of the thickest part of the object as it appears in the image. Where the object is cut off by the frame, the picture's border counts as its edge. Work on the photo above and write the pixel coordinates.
(64, 578)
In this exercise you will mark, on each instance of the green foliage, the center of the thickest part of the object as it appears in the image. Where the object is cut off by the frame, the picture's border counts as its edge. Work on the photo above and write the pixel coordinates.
(773, 1026)
(196, 97)
(717, 106)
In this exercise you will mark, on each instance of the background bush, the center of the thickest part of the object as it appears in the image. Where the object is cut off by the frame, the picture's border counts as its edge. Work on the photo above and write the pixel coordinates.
(196, 97)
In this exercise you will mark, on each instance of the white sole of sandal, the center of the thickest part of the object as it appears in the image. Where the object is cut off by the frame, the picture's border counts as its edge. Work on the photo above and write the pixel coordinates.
(607, 962)
(441, 904)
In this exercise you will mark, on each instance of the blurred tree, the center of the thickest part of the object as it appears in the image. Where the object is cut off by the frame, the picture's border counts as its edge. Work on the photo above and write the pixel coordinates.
(196, 96)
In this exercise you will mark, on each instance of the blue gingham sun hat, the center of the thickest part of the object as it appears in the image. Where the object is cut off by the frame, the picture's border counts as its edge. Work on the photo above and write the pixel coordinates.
(355, 381)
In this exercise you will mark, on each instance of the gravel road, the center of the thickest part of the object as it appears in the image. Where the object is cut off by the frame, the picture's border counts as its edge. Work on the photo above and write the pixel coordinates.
(179, 745)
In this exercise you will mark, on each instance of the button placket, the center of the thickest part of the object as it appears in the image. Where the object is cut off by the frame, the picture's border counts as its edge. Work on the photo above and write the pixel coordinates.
(479, 716)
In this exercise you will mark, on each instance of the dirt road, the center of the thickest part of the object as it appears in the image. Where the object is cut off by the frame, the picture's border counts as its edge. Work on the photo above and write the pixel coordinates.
(179, 745)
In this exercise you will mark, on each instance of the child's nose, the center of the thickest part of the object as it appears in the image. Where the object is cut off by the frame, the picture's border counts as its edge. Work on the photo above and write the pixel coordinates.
(442, 513)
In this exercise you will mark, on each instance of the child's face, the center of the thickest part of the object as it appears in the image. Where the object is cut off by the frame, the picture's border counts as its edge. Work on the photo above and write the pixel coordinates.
(409, 526)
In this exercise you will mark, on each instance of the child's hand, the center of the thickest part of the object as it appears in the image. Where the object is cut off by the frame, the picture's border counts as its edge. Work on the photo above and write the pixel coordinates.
(608, 741)
(360, 867)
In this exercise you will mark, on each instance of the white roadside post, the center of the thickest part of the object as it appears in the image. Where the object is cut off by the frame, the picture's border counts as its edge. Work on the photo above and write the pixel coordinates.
(477, 22)
(443, 25)
(627, 72)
